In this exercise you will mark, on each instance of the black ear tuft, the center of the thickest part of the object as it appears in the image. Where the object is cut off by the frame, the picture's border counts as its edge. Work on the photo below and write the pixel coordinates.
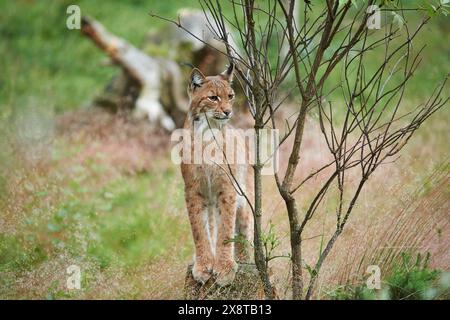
(229, 73)
(196, 78)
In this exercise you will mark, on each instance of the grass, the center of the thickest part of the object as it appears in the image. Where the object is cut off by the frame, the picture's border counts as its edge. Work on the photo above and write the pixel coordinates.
(94, 217)
(410, 280)
(73, 197)
(412, 219)
(41, 58)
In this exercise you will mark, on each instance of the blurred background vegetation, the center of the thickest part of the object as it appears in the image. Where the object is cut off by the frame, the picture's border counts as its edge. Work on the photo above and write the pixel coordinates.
(73, 194)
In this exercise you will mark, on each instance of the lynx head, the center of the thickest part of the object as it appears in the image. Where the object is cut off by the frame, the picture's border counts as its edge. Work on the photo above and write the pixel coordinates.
(211, 97)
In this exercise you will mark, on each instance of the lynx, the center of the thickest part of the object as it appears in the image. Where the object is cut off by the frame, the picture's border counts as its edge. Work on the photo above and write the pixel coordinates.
(221, 222)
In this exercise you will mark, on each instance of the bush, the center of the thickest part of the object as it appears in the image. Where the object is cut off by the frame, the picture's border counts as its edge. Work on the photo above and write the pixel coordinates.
(411, 279)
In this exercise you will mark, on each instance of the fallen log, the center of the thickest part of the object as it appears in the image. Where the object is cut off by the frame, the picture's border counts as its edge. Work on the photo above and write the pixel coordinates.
(152, 83)
(159, 94)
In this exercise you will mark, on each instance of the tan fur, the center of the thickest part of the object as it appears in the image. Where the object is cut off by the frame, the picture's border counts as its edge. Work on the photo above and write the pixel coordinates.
(216, 212)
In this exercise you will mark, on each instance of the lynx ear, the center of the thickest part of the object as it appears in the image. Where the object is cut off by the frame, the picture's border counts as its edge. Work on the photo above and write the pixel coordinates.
(196, 78)
(229, 73)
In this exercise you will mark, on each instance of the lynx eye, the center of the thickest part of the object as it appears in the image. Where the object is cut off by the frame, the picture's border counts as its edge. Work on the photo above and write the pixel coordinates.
(213, 98)
(230, 96)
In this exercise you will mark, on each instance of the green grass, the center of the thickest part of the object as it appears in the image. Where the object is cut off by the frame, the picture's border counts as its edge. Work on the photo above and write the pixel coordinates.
(135, 225)
(117, 225)
(19, 253)
(411, 279)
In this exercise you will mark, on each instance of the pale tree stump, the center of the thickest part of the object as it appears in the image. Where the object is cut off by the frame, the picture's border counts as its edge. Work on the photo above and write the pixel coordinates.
(246, 286)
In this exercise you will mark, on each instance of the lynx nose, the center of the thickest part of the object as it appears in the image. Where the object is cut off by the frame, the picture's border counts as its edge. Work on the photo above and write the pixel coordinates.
(227, 113)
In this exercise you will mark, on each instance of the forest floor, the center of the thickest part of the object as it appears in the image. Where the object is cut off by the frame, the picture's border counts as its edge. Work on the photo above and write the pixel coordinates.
(100, 192)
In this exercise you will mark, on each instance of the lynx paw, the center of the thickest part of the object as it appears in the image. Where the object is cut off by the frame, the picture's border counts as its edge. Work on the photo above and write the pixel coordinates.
(225, 271)
(201, 271)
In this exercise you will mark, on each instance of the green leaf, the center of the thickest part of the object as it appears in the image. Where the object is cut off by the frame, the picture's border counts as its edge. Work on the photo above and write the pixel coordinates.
(312, 271)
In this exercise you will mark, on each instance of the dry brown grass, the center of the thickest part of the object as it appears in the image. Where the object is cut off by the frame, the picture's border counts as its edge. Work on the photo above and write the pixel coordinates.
(403, 208)
(125, 143)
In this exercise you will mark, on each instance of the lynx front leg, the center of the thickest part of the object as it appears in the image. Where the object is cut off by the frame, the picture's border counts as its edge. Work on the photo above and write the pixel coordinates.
(224, 265)
(244, 232)
(204, 258)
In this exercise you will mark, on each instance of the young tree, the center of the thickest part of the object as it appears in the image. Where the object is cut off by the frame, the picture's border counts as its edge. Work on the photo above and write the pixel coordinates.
(329, 52)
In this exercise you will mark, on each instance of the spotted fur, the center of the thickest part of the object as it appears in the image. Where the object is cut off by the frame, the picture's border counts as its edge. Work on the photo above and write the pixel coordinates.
(217, 214)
